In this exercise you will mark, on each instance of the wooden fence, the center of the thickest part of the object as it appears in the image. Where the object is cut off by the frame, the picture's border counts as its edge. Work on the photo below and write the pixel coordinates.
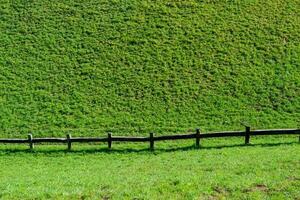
(198, 136)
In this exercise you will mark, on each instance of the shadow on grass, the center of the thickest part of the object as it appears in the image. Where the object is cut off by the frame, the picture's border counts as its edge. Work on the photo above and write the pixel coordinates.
(140, 150)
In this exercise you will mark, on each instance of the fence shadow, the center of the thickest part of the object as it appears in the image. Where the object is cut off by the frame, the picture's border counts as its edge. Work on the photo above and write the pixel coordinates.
(145, 150)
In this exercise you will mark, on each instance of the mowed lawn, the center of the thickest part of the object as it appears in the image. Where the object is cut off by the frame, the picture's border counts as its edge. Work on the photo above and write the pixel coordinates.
(269, 168)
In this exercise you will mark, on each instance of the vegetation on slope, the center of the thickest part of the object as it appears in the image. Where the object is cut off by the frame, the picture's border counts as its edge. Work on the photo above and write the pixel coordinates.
(133, 66)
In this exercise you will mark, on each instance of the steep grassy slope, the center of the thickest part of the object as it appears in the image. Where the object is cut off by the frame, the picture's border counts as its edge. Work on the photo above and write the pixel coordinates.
(133, 66)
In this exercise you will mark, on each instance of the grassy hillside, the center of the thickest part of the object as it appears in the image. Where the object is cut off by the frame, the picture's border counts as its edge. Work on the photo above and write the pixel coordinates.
(130, 66)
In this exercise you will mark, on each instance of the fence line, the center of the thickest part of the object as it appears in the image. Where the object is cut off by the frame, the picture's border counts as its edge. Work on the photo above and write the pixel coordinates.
(151, 139)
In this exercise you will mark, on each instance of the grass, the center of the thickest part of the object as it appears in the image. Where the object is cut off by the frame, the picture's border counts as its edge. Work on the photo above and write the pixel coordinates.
(88, 67)
(131, 67)
(221, 169)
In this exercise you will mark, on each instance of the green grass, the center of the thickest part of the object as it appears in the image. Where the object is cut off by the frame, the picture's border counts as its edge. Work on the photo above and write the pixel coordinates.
(87, 67)
(220, 169)
(127, 66)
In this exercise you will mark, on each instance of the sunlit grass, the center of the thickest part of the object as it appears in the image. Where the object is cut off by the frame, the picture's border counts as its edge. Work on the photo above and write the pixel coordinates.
(131, 67)
(269, 168)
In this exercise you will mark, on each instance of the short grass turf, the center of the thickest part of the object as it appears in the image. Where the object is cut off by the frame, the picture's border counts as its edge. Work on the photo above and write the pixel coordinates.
(127, 66)
(220, 169)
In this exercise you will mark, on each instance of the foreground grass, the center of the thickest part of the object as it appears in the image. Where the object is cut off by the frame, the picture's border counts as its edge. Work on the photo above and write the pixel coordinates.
(268, 169)
(138, 66)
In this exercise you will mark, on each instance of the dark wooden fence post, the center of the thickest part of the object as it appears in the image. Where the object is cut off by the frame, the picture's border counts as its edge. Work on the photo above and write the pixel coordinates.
(69, 141)
(109, 141)
(151, 139)
(30, 138)
(247, 135)
(197, 137)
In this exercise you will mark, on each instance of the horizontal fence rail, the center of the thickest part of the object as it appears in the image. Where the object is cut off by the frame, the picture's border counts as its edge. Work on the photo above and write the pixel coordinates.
(151, 139)
(88, 139)
(223, 134)
(276, 132)
(174, 137)
(13, 141)
(130, 139)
